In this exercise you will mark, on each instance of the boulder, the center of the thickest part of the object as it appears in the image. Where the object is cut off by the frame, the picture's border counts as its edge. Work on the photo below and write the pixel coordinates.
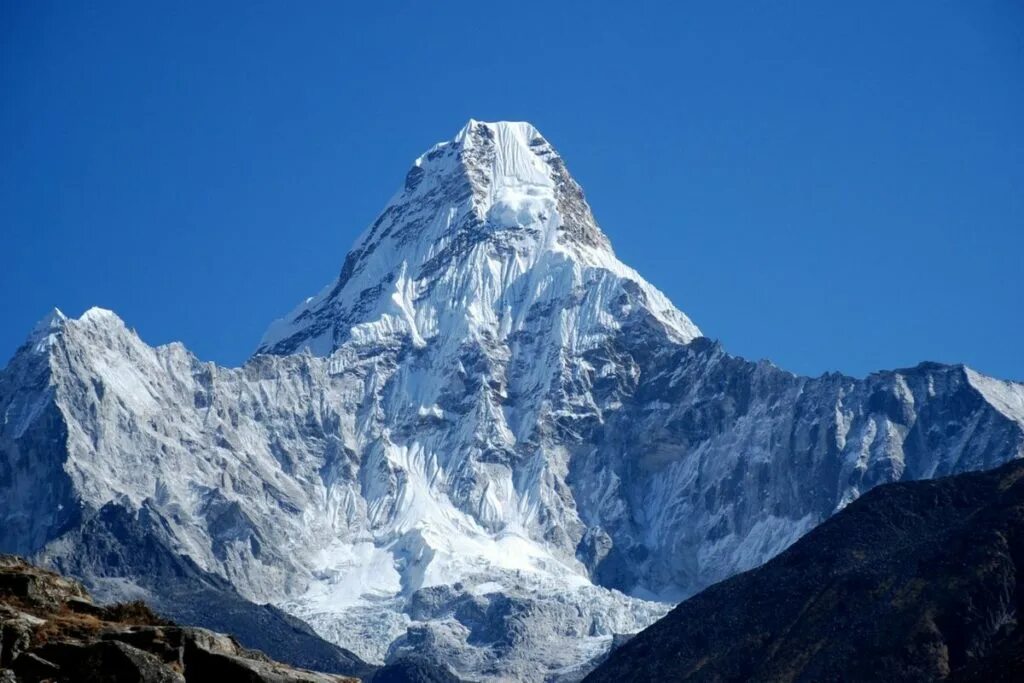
(16, 630)
(112, 661)
(30, 667)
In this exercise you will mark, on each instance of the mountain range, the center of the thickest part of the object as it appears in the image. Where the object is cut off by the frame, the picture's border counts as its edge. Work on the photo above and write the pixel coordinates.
(487, 443)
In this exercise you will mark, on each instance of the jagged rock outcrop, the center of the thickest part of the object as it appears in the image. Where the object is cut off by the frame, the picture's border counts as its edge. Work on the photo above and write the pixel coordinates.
(917, 581)
(51, 630)
(488, 442)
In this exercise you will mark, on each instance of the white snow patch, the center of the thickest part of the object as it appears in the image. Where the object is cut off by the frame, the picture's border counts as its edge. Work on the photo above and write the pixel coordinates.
(1006, 397)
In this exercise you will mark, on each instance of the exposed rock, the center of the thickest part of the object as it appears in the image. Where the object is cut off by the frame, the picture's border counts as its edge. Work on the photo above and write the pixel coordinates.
(51, 630)
(918, 581)
(15, 633)
(413, 670)
(168, 644)
(30, 668)
(179, 589)
(116, 661)
(22, 583)
(221, 659)
(107, 661)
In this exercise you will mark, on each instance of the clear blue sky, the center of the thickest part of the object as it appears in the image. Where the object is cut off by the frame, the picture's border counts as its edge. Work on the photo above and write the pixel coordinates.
(833, 186)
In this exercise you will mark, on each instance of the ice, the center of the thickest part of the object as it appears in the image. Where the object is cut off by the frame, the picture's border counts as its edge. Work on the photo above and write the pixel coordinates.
(515, 193)
(473, 438)
(1007, 397)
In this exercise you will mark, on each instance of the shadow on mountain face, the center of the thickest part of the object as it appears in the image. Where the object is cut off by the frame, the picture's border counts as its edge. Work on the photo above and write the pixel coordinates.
(917, 581)
(114, 543)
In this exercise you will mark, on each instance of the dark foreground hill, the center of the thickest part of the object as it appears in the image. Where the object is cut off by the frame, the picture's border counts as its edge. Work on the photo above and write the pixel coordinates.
(917, 581)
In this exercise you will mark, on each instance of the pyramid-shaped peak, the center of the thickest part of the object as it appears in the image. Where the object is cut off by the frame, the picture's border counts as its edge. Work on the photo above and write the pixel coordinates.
(480, 217)
(49, 322)
(54, 322)
(510, 154)
(498, 154)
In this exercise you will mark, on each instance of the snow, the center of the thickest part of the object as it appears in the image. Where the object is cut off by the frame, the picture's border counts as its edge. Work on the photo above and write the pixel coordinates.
(507, 165)
(432, 410)
(352, 574)
(480, 406)
(42, 335)
(1006, 397)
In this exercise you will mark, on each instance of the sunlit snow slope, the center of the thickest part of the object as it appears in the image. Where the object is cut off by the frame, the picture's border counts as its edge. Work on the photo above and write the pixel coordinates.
(487, 228)
(488, 441)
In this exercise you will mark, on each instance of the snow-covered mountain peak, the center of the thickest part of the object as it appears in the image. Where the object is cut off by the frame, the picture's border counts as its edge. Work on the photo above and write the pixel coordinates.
(498, 427)
(101, 317)
(523, 129)
(42, 334)
(516, 150)
(95, 329)
(54, 318)
(512, 137)
(56, 321)
(483, 225)
(48, 324)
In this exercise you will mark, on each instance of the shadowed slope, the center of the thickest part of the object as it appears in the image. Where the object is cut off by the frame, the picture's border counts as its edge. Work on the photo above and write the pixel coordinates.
(913, 582)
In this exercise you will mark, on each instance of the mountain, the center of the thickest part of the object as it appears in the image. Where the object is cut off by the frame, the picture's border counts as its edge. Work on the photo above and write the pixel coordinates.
(488, 444)
(915, 581)
(488, 231)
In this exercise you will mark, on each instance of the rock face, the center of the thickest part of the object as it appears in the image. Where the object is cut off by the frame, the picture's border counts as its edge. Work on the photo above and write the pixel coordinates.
(115, 543)
(918, 581)
(488, 443)
(51, 630)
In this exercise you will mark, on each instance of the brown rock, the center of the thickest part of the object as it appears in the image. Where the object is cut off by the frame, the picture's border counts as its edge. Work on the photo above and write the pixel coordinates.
(81, 605)
(51, 630)
(34, 586)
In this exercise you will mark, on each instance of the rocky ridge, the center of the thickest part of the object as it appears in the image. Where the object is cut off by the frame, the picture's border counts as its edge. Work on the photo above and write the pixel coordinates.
(51, 630)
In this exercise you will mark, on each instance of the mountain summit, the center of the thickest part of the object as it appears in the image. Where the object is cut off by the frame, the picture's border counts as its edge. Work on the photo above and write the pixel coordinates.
(487, 443)
(486, 226)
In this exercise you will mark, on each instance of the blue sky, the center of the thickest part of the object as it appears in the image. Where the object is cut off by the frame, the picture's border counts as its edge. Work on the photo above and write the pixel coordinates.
(833, 187)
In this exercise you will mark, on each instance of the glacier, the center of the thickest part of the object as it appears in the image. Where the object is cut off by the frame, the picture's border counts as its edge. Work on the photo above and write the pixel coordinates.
(488, 442)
